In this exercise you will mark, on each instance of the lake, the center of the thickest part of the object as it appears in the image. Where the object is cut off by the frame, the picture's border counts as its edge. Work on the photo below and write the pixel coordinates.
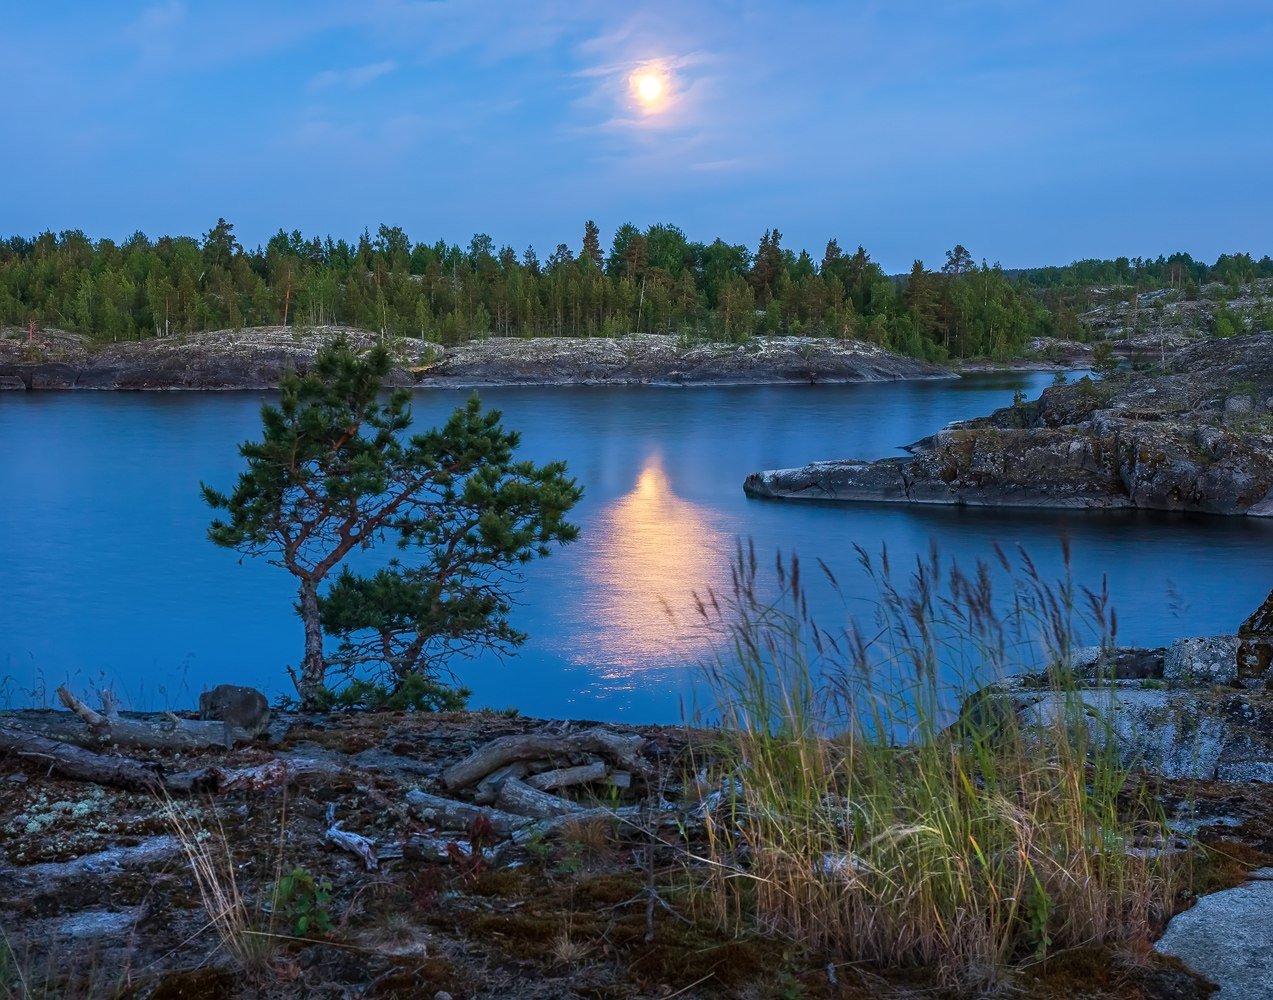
(106, 576)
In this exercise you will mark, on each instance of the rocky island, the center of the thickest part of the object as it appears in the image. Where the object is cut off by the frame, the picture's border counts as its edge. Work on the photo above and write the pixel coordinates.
(1193, 434)
(254, 358)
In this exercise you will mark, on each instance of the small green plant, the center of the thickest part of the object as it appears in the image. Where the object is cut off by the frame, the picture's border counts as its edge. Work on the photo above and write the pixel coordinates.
(304, 902)
(413, 693)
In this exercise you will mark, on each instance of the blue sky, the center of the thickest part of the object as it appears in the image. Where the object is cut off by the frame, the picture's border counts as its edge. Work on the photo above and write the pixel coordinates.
(1031, 132)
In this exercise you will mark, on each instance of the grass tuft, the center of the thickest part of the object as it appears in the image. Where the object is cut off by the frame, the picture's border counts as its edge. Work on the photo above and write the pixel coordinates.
(861, 814)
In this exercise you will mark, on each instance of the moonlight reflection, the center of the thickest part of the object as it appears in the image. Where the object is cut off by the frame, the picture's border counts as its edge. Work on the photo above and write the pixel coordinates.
(653, 550)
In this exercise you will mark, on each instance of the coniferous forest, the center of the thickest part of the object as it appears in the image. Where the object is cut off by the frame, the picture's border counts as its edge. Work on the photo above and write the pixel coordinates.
(653, 281)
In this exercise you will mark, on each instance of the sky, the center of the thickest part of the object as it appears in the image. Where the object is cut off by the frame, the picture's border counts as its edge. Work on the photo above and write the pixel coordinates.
(1031, 132)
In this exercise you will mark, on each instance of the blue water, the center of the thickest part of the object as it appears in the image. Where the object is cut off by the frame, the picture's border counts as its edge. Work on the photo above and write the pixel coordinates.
(106, 576)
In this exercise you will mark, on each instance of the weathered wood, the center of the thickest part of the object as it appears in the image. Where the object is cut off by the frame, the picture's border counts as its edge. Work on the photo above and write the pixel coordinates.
(448, 814)
(515, 796)
(552, 826)
(565, 777)
(354, 843)
(79, 764)
(488, 788)
(94, 730)
(621, 748)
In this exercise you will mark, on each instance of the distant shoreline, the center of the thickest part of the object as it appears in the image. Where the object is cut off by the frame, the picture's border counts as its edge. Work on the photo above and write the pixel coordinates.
(257, 358)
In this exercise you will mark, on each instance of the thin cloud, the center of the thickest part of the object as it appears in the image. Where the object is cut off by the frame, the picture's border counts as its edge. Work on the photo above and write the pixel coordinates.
(352, 79)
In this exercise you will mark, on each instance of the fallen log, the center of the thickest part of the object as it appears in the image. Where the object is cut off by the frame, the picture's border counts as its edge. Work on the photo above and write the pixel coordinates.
(488, 788)
(552, 826)
(622, 749)
(448, 814)
(79, 764)
(86, 727)
(515, 796)
(565, 777)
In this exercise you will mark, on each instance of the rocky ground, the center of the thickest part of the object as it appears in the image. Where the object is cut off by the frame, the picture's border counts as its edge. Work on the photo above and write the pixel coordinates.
(101, 900)
(255, 358)
(1165, 320)
(1193, 434)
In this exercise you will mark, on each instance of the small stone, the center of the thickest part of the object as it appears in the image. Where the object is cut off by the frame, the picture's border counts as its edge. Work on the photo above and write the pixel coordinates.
(441, 995)
(18, 779)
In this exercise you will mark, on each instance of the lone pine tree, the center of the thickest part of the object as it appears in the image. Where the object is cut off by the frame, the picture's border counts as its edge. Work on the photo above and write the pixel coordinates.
(335, 472)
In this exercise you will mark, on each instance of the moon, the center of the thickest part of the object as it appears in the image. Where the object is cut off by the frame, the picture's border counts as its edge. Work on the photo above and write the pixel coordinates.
(649, 87)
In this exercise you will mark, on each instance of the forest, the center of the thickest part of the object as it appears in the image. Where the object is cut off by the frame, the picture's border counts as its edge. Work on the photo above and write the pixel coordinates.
(656, 280)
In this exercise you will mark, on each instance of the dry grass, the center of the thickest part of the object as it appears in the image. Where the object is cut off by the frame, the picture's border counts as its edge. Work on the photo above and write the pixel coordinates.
(852, 818)
(241, 930)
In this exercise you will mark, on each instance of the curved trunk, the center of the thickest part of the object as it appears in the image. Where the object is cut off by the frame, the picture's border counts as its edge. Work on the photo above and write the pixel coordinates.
(313, 672)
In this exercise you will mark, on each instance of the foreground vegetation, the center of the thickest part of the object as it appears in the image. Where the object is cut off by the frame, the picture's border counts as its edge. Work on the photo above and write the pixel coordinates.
(845, 833)
(861, 818)
(656, 280)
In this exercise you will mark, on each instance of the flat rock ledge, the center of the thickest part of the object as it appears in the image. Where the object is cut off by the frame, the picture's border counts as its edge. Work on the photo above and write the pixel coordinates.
(1197, 436)
(1228, 937)
(256, 358)
(1195, 710)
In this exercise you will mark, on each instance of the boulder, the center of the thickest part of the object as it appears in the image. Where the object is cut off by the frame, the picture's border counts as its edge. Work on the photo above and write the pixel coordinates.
(1255, 645)
(11, 382)
(1202, 662)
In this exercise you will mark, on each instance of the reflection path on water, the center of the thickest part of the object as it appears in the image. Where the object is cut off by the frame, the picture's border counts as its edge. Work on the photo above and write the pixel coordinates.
(650, 552)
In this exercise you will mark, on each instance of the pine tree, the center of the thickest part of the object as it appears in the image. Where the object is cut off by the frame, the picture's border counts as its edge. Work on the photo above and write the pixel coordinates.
(333, 473)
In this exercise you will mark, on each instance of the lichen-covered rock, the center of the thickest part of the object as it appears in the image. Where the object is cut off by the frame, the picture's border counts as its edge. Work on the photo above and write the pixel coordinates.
(1255, 645)
(1163, 442)
(1176, 733)
(1211, 660)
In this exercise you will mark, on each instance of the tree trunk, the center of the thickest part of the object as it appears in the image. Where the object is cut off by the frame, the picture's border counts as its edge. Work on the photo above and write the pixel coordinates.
(313, 674)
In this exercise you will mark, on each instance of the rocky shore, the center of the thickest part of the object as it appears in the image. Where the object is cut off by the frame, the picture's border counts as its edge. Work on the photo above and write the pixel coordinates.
(371, 817)
(1195, 434)
(255, 358)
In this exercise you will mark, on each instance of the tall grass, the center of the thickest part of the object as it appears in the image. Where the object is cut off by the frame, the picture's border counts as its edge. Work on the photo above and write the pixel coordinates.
(862, 815)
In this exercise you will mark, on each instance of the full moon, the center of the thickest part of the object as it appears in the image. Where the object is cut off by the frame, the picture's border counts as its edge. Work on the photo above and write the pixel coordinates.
(649, 88)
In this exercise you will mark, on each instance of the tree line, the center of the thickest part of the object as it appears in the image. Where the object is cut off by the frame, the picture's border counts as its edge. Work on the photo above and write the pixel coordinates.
(653, 280)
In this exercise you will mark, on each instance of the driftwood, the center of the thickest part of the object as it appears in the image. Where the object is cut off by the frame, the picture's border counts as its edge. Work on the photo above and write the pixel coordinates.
(448, 814)
(354, 843)
(552, 826)
(79, 764)
(564, 777)
(487, 790)
(623, 749)
(515, 796)
(86, 727)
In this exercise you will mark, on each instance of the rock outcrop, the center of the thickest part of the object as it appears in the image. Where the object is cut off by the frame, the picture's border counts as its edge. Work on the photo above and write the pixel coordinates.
(1196, 436)
(256, 358)
(651, 359)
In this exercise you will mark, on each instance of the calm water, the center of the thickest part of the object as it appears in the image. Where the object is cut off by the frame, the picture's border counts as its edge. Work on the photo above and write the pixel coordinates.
(105, 573)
